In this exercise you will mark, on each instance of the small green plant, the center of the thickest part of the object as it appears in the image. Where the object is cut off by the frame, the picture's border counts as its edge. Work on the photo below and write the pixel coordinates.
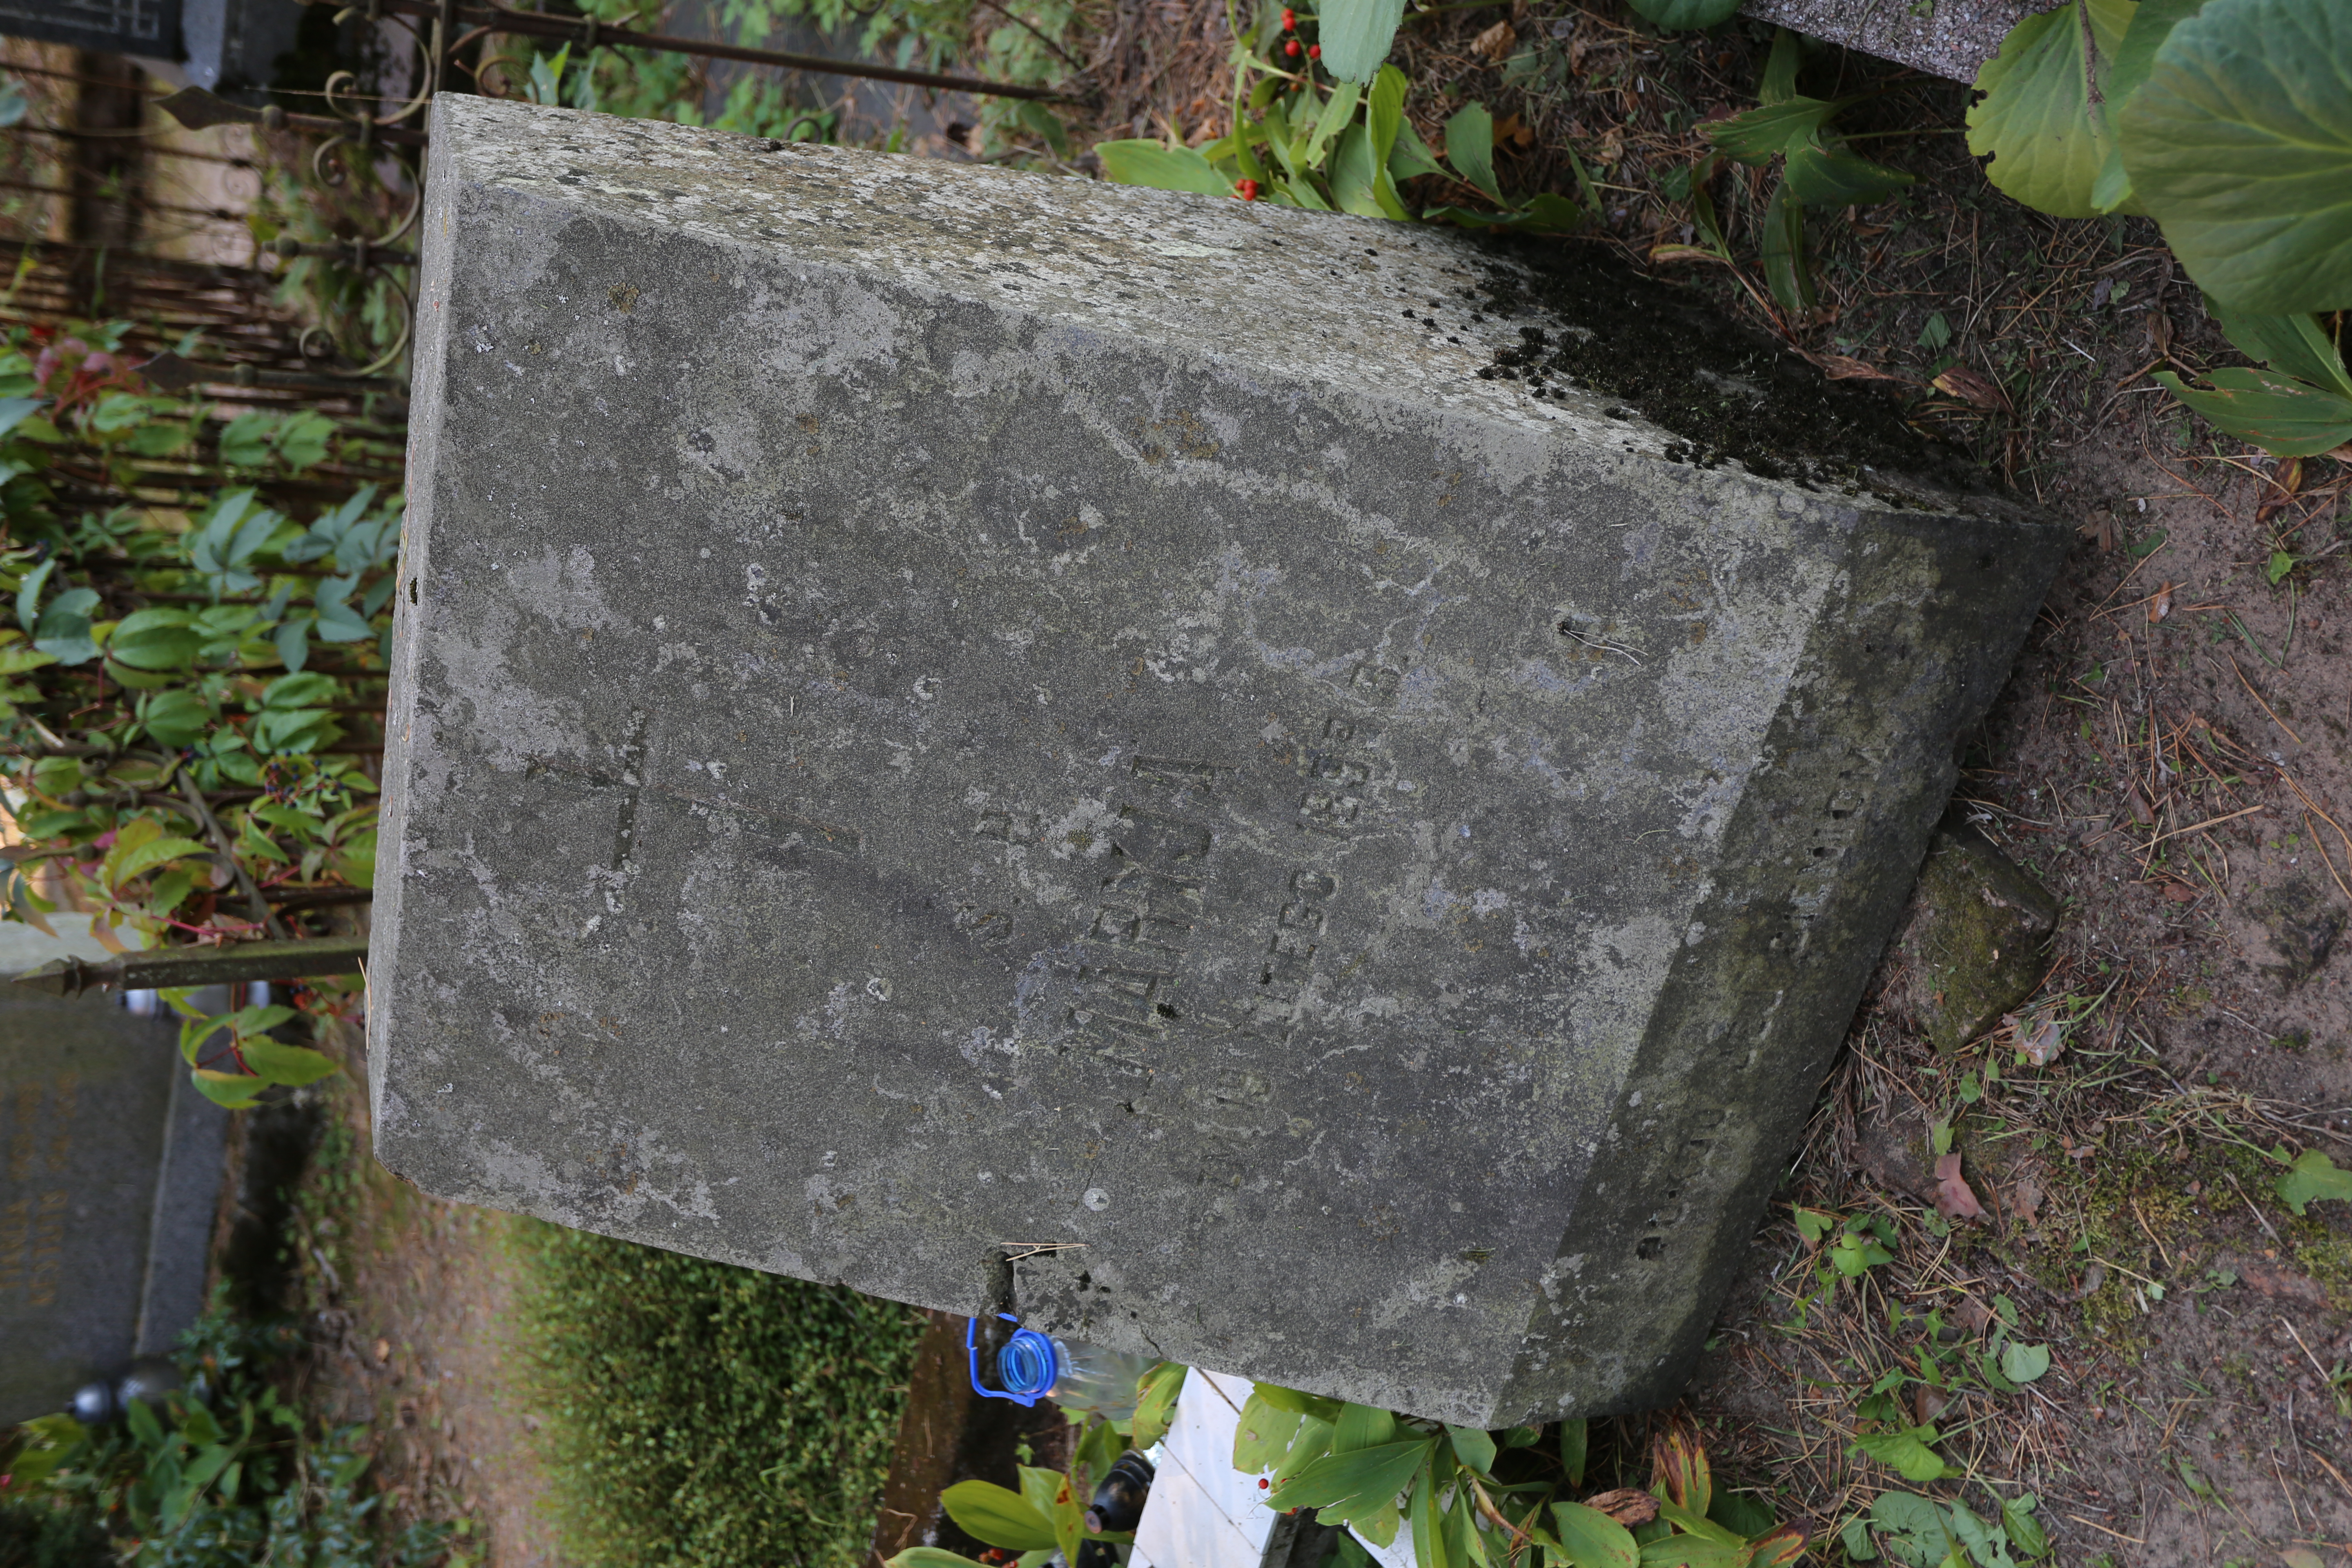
(222, 1474)
(2312, 1177)
(2229, 122)
(1920, 1532)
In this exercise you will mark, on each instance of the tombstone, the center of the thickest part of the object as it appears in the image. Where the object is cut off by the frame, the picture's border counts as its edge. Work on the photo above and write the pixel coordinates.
(110, 1166)
(231, 46)
(1305, 795)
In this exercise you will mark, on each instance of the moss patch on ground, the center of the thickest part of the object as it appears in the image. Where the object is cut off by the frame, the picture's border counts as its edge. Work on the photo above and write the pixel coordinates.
(709, 1416)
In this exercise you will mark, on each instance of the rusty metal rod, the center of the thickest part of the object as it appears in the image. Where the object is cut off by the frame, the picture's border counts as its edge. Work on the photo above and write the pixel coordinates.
(157, 968)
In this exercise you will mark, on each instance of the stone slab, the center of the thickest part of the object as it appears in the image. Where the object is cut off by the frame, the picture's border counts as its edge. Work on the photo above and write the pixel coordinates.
(1347, 778)
(1943, 38)
(110, 1177)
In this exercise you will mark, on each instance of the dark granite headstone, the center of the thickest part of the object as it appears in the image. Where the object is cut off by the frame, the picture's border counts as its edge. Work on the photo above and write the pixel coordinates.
(110, 1175)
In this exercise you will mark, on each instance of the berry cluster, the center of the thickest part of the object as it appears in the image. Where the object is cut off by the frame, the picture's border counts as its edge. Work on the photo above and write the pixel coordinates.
(1291, 45)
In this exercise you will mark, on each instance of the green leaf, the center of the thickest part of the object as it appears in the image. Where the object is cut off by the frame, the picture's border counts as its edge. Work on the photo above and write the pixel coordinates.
(234, 1091)
(1339, 113)
(2048, 132)
(1470, 148)
(1820, 178)
(1147, 162)
(1591, 1539)
(1692, 1552)
(1545, 213)
(986, 1511)
(2151, 24)
(2284, 415)
(930, 1557)
(1410, 156)
(2295, 345)
(245, 440)
(282, 1063)
(155, 640)
(1742, 1514)
(2312, 1177)
(2240, 145)
(2025, 1532)
(1755, 135)
(1906, 1452)
(1686, 16)
(148, 856)
(2022, 1363)
(302, 441)
(1428, 1522)
(15, 410)
(1574, 1446)
(28, 591)
(1356, 35)
(1346, 1484)
(1691, 1524)
(1785, 271)
(1362, 1426)
(1155, 1402)
(1352, 175)
(1298, 1401)
(298, 691)
(1262, 1435)
(1779, 82)
(1472, 1447)
(1384, 111)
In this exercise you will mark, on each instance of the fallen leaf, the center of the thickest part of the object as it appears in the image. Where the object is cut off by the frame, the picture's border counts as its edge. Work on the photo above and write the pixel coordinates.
(1628, 1506)
(1613, 146)
(2025, 1198)
(1973, 1314)
(2137, 802)
(384, 1350)
(1954, 1199)
(2102, 528)
(2180, 892)
(1970, 386)
(1507, 129)
(2161, 606)
(1495, 42)
(1846, 367)
(1927, 1402)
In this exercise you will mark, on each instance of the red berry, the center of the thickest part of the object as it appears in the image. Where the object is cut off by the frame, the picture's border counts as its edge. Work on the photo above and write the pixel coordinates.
(1289, 19)
(1246, 189)
(1263, 1483)
(1314, 51)
(1291, 48)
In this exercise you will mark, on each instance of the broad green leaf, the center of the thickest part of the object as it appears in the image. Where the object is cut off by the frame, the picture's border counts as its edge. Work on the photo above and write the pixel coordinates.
(2022, 1363)
(1262, 1435)
(1470, 148)
(930, 1557)
(2044, 116)
(146, 856)
(1692, 1552)
(1755, 135)
(1575, 1443)
(1147, 162)
(2312, 1177)
(986, 1511)
(1686, 16)
(1298, 1401)
(1356, 35)
(1155, 1402)
(302, 442)
(1779, 82)
(2240, 145)
(1740, 1513)
(1545, 213)
(2017, 1519)
(1352, 175)
(236, 1091)
(1339, 113)
(298, 691)
(2295, 345)
(1362, 1426)
(1909, 1456)
(1311, 1443)
(1428, 1522)
(28, 591)
(2288, 417)
(245, 440)
(155, 640)
(2136, 56)
(1696, 1524)
(15, 410)
(1591, 1539)
(1346, 1484)
(282, 1063)
(1384, 111)
(1780, 1548)
(1410, 156)
(1472, 1447)
(1820, 178)
(1783, 244)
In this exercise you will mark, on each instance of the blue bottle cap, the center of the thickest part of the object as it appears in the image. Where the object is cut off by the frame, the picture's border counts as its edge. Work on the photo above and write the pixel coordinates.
(1028, 1365)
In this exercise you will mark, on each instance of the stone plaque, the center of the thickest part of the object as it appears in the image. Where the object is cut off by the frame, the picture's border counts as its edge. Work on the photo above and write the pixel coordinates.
(1297, 793)
(110, 1175)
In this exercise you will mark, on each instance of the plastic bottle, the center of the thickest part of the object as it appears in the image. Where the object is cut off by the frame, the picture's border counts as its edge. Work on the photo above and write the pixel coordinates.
(1077, 1377)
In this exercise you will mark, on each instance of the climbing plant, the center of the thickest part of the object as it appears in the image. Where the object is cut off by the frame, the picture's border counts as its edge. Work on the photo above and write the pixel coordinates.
(191, 691)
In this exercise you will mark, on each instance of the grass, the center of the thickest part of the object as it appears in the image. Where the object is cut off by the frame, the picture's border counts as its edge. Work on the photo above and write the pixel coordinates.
(706, 1414)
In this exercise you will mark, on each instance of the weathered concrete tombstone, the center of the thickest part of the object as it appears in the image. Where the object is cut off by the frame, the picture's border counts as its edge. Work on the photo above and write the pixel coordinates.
(1301, 794)
(110, 1177)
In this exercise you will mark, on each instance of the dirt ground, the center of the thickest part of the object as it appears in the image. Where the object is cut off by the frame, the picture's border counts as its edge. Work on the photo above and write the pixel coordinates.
(2172, 758)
